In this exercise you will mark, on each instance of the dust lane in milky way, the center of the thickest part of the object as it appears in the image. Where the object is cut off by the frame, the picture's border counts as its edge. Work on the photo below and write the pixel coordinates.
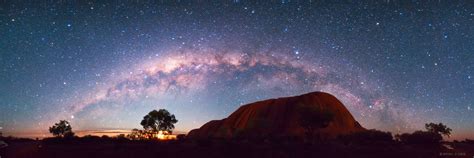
(103, 66)
(234, 73)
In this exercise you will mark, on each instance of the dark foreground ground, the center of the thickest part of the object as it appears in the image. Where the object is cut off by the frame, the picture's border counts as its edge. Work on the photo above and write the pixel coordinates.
(142, 149)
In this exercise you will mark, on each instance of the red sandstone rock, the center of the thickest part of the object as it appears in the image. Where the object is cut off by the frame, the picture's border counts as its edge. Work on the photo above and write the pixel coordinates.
(279, 117)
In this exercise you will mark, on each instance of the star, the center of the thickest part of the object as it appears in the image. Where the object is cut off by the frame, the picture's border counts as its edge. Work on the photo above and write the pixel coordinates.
(203, 62)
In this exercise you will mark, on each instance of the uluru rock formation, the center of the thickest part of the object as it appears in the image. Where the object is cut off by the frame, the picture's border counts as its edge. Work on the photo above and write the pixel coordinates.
(279, 117)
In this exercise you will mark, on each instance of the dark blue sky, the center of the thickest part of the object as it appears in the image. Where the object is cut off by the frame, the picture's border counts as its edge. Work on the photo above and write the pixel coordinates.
(395, 65)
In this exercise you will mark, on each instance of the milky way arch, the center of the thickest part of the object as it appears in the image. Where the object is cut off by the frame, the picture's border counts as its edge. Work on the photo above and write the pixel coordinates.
(194, 70)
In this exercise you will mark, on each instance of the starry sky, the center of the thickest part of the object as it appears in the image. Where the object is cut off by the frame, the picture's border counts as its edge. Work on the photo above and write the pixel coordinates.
(103, 65)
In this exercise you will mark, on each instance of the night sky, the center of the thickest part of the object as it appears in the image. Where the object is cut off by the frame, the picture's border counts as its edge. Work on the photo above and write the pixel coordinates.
(395, 65)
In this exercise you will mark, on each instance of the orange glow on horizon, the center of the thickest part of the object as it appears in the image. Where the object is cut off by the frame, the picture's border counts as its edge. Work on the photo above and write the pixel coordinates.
(164, 135)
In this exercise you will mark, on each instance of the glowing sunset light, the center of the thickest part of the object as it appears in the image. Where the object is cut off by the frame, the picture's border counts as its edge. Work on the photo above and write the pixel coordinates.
(164, 135)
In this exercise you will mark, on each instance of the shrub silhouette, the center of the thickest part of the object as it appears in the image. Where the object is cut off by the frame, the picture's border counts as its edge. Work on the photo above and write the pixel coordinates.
(368, 136)
(121, 137)
(433, 134)
(69, 135)
(468, 141)
(136, 134)
(91, 138)
(181, 137)
(420, 137)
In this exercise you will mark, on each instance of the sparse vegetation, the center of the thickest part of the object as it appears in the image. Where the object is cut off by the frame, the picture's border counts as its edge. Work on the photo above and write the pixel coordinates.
(367, 137)
(370, 141)
(438, 128)
(420, 137)
(432, 135)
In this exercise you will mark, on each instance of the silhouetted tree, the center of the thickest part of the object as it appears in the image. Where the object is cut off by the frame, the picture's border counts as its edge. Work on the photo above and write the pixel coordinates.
(313, 118)
(438, 128)
(136, 134)
(62, 129)
(121, 137)
(160, 120)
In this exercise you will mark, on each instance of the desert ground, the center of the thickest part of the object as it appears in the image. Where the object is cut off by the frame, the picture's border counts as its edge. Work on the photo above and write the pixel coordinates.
(227, 148)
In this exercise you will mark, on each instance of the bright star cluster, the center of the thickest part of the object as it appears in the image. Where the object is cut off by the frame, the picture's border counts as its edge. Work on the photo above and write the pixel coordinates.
(104, 65)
